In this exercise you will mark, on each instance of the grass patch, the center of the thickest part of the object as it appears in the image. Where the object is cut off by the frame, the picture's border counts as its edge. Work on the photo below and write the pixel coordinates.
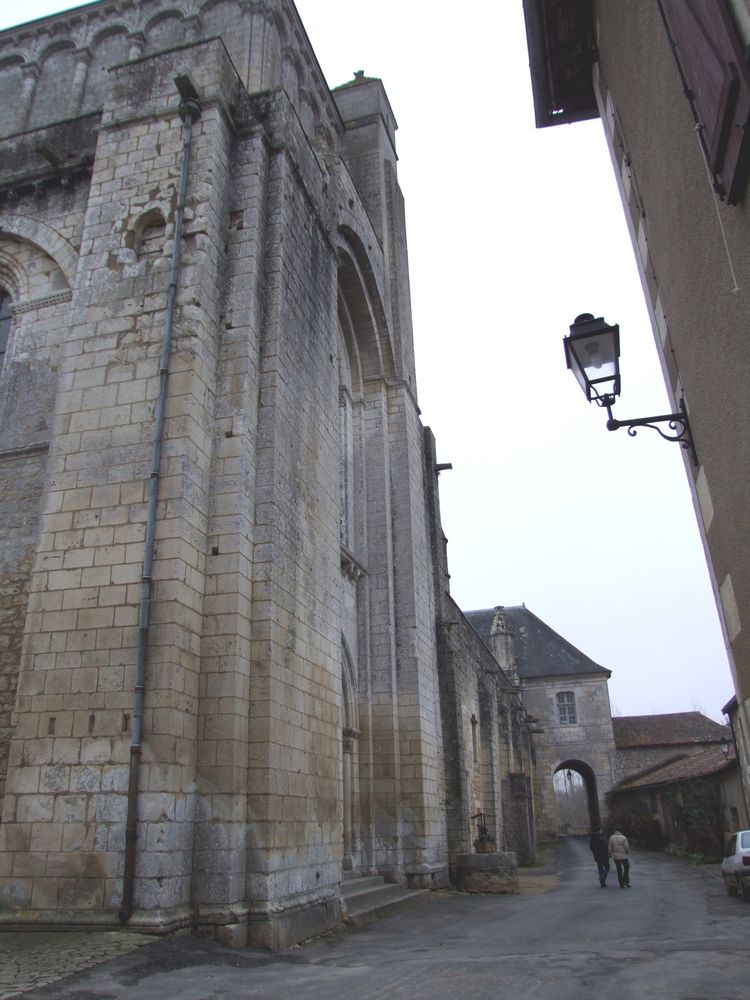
(546, 855)
(694, 858)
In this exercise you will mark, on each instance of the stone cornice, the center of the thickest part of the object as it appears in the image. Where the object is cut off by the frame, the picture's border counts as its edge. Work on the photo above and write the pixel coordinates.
(41, 302)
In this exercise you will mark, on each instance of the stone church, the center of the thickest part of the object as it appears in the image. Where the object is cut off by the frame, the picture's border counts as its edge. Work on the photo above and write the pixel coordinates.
(230, 668)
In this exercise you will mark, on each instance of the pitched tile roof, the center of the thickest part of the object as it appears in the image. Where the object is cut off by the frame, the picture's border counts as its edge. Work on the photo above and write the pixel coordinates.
(539, 650)
(698, 765)
(667, 730)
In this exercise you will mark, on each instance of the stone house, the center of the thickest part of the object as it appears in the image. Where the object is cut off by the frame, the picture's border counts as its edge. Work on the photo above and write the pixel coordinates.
(670, 82)
(228, 665)
(693, 803)
(677, 780)
(645, 742)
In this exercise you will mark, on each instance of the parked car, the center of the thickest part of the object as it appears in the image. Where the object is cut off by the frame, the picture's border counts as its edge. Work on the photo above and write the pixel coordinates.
(735, 868)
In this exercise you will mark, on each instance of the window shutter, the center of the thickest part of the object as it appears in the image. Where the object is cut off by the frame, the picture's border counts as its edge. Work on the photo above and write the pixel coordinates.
(717, 83)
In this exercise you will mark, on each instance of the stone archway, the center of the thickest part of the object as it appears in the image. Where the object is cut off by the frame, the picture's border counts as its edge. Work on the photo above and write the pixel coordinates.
(576, 797)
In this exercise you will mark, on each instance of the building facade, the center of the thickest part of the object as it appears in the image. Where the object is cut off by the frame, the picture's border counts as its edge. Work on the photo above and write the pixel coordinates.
(671, 84)
(566, 695)
(219, 680)
(231, 672)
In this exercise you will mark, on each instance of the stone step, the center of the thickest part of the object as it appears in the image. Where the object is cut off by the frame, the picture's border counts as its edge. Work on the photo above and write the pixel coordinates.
(353, 885)
(367, 897)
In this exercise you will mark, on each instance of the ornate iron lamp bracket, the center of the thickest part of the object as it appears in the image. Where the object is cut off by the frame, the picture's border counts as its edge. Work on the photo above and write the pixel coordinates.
(678, 423)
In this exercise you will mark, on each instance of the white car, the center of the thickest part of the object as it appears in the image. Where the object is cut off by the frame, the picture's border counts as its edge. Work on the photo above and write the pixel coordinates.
(735, 868)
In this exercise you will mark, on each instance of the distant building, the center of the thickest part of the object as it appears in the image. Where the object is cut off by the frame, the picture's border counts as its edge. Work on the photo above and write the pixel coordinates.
(671, 83)
(694, 802)
(644, 742)
(567, 696)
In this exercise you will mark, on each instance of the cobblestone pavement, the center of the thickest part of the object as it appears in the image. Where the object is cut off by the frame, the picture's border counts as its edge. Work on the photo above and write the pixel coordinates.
(37, 958)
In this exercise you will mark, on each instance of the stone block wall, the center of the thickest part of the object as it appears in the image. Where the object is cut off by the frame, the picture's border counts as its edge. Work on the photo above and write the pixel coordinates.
(586, 747)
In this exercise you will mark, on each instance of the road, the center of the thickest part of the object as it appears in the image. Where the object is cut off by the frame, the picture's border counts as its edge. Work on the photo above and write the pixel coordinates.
(675, 935)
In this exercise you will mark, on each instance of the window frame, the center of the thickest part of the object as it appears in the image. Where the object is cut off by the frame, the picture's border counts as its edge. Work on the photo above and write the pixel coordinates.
(567, 711)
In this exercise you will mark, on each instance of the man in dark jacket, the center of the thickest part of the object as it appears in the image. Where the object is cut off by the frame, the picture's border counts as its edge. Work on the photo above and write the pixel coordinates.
(599, 847)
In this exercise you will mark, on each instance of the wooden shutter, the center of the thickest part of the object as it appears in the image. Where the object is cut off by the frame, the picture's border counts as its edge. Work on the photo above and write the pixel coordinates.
(717, 83)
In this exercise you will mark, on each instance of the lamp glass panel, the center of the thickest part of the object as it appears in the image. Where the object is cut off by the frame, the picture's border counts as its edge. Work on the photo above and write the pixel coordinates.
(594, 361)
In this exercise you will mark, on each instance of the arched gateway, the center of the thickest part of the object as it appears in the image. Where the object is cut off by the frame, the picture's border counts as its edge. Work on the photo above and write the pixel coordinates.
(576, 797)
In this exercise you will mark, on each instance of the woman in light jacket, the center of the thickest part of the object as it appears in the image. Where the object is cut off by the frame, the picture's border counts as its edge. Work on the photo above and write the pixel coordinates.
(619, 849)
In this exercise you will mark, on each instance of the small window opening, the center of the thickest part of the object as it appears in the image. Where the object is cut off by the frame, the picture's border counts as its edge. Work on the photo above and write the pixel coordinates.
(150, 235)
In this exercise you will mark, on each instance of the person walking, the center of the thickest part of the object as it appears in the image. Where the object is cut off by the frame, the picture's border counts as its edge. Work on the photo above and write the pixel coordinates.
(619, 851)
(599, 847)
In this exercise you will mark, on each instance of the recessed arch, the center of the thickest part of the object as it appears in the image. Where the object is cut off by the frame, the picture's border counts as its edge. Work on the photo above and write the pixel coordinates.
(164, 15)
(166, 29)
(361, 315)
(148, 234)
(349, 760)
(54, 97)
(46, 238)
(5, 317)
(61, 45)
(208, 5)
(118, 28)
(108, 48)
(13, 59)
(13, 277)
(349, 686)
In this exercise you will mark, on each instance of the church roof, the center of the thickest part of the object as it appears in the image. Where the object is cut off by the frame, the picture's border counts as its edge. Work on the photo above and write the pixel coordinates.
(699, 765)
(539, 650)
(666, 730)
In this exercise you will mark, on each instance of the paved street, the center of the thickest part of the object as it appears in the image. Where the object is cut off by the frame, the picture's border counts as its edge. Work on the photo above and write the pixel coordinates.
(675, 935)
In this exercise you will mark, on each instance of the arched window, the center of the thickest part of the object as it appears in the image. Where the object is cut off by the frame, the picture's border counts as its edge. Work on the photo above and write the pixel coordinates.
(149, 234)
(5, 318)
(566, 708)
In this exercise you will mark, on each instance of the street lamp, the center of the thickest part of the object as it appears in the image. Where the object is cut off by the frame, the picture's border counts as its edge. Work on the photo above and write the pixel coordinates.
(592, 352)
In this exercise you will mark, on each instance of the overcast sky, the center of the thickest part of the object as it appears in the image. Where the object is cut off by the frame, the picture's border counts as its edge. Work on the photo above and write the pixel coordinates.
(513, 232)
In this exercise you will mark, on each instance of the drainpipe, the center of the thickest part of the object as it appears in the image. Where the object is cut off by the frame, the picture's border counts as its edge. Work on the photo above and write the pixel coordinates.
(190, 110)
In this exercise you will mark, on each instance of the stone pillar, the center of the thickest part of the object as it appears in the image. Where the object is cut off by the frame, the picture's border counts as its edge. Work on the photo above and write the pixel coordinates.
(137, 45)
(350, 847)
(31, 74)
(295, 816)
(78, 85)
